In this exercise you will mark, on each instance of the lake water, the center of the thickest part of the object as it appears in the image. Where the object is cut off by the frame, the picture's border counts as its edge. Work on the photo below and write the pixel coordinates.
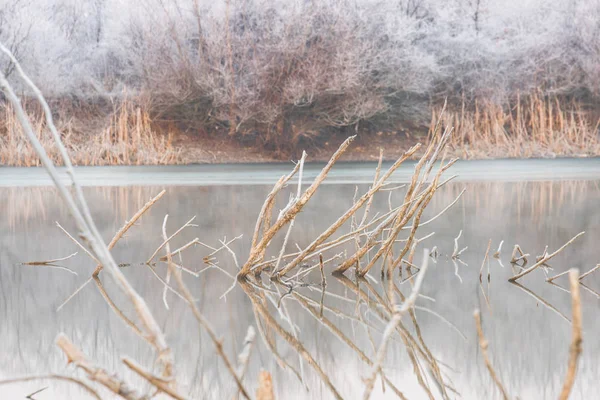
(527, 325)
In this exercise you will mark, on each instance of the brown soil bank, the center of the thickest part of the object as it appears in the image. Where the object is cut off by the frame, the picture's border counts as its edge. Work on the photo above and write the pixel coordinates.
(127, 134)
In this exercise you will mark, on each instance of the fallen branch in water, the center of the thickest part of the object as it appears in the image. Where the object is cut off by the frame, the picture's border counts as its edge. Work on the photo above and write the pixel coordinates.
(46, 262)
(576, 339)
(544, 259)
(94, 373)
(483, 344)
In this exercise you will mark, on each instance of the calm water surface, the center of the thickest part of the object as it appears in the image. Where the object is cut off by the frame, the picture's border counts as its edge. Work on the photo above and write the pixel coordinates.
(527, 326)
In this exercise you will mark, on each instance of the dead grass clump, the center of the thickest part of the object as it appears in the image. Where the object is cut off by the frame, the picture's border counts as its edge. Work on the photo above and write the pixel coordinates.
(15, 149)
(127, 139)
(536, 126)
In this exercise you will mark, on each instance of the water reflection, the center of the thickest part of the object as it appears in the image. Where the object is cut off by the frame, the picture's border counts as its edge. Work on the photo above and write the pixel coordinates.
(315, 343)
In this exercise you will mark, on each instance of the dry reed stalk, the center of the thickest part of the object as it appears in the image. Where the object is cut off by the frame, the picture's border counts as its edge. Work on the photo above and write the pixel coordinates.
(375, 179)
(293, 219)
(341, 220)
(544, 259)
(416, 211)
(417, 218)
(291, 212)
(576, 338)
(265, 211)
(265, 386)
(483, 344)
(65, 378)
(393, 324)
(202, 321)
(95, 373)
(82, 216)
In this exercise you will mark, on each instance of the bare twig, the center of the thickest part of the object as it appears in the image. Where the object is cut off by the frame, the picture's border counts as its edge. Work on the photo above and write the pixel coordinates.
(483, 344)
(546, 258)
(576, 339)
(189, 223)
(46, 262)
(456, 253)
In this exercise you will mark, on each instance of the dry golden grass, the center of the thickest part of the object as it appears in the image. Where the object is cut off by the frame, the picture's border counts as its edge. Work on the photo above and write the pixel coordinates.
(127, 139)
(535, 127)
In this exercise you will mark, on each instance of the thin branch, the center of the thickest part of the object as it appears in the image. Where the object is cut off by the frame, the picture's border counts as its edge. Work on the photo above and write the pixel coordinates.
(169, 238)
(545, 259)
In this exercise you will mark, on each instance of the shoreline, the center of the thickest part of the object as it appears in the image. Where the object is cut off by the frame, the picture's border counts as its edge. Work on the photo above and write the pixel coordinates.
(349, 172)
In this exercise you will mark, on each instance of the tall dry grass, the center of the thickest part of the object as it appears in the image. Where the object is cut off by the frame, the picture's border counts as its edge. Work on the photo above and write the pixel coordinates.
(537, 126)
(127, 138)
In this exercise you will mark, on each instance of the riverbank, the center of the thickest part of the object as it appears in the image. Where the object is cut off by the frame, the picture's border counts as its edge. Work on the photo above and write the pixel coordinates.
(129, 134)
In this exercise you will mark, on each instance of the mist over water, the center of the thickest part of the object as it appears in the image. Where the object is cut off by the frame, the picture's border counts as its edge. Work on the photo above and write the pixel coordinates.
(527, 326)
